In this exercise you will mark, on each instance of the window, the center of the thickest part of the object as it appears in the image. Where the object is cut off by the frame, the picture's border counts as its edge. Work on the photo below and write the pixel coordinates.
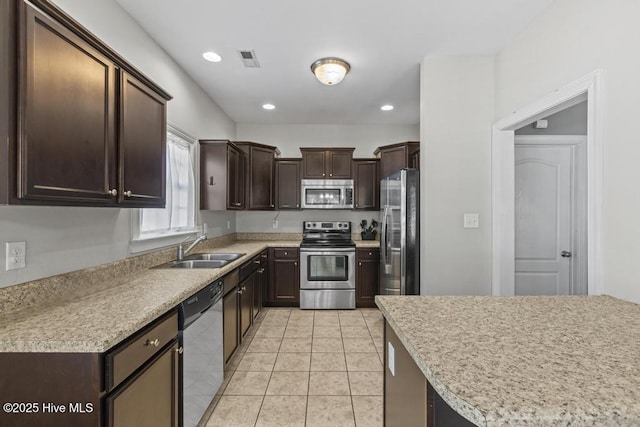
(179, 215)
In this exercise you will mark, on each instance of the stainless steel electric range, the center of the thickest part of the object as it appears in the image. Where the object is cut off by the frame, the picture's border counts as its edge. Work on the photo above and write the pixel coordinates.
(327, 266)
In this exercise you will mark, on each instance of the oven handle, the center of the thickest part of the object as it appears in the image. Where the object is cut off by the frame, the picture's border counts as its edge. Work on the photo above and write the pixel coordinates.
(326, 251)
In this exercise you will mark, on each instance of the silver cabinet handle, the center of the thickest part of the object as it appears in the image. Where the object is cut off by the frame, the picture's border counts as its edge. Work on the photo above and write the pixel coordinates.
(128, 193)
(565, 254)
(330, 174)
(295, 263)
(322, 174)
(369, 253)
(152, 343)
(113, 192)
(261, 270)
(257, 261)
(180, 350)
(360, 263)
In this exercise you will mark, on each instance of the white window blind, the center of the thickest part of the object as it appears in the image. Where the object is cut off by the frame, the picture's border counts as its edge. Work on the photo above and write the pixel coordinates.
(179, 214)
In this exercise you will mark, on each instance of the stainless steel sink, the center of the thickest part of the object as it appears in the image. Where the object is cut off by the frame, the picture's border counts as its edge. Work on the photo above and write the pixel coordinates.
(195, 263)
(217, 257)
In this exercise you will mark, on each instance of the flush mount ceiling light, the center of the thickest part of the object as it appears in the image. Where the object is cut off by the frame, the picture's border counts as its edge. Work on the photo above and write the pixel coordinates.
(269, 106)
(212, 56)
(330, 71)
(387, 107)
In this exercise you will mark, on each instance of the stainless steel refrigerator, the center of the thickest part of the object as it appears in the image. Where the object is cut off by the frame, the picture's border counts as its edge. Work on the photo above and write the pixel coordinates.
(400, 233)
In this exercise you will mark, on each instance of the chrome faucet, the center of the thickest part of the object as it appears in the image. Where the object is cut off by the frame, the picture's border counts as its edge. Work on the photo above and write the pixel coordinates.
(182, 252)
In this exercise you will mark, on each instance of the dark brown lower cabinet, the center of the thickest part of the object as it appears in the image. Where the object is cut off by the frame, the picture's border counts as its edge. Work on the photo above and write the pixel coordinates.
(136, 383)
(367, 276)
(284, 277)
(260, 284)
(245, 291)
(409, 399)
(151, 397)
(231, 314)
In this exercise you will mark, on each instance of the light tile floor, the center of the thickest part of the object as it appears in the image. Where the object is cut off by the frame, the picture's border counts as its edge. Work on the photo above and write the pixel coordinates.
(305, 368)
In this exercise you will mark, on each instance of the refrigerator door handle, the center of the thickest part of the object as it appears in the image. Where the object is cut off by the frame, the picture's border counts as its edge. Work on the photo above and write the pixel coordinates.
(385, 235)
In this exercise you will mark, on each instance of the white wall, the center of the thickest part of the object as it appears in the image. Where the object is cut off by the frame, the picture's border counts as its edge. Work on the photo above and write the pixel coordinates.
(289, 139)
(62, 239)
(457, 110)
(573, 38)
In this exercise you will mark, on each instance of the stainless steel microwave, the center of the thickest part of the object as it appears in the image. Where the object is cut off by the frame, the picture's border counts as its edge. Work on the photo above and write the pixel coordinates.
(327, 194)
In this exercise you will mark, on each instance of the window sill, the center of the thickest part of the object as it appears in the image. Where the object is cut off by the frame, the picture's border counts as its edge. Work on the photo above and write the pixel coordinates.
(160, 241)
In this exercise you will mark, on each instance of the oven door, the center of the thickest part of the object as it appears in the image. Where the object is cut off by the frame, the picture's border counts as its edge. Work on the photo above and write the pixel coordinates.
(327, 268)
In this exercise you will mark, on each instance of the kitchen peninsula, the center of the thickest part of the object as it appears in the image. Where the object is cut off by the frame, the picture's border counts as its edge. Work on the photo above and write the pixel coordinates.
(518, 361)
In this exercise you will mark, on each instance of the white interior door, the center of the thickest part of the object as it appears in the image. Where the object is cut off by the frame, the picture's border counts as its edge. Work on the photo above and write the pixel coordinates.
(544, 219)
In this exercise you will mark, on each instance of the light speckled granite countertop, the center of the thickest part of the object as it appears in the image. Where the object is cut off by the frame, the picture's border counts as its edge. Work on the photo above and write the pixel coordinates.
(104, 314)
(93, 310)
(526, 361)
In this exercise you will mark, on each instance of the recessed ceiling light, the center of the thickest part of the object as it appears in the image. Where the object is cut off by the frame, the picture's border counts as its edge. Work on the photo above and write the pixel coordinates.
(269, 107)
(387, 107)
(212, 56)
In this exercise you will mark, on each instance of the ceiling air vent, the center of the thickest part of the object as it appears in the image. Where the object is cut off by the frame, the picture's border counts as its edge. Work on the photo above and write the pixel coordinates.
(249, 58)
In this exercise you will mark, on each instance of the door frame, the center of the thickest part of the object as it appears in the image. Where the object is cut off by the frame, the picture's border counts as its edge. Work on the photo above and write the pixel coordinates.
(587, 88)
(578, 232)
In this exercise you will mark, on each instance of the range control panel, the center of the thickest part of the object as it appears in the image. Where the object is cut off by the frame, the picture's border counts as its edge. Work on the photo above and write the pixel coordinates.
(327, 226)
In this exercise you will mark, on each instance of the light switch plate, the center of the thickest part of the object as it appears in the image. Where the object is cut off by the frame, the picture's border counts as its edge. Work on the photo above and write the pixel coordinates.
(471, 220)
(16, 255)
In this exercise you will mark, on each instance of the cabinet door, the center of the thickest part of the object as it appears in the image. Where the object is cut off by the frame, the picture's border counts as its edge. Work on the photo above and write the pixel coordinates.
(261, 173)
(286, 277)
(392, 160)
(367, 276)
(236, 161)
(230, 322)
(259, 289)
(143, 144)
(66, 148)
(314, 164)
(288, 184)
(339, 164)
(213, 176)
(246, 303)
(150, 399)
(367, 185)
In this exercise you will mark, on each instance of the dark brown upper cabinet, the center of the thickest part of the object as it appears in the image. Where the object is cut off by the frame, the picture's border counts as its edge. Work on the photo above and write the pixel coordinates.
(367, 184)
(79, 125)
(142, 144)
(222, 175)
(288, 176)
(260, 174)
(397, 156)
(326, 163)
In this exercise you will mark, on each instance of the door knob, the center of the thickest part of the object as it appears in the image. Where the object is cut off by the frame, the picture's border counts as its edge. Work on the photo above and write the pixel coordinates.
(565, 254)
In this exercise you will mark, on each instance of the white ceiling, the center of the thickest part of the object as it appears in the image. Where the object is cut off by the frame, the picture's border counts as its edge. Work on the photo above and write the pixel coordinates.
(384, 41)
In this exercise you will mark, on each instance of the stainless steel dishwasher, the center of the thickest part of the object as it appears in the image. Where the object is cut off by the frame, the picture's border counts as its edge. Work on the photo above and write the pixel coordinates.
(202, 360)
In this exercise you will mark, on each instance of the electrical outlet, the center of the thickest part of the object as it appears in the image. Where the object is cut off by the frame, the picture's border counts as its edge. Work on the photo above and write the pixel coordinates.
(275, 223)
(16, 255)
(228, 225)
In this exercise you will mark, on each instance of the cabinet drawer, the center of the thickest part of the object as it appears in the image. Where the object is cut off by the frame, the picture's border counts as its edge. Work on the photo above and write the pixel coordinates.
(368, 254)
(249, 267)
(133, 353)
(230, 281)
(285, 253)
